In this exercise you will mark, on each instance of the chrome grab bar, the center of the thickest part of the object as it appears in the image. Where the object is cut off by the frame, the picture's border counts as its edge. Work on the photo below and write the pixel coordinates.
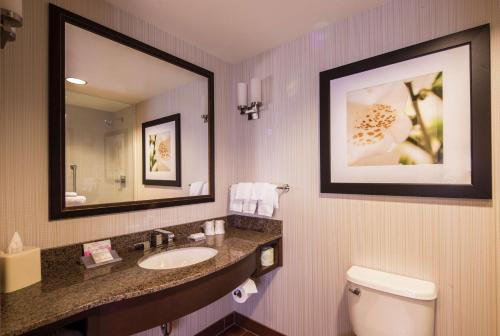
(73, 168)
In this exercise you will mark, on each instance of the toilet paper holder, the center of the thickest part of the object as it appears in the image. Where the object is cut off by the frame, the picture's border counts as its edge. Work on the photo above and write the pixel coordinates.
(237, 292)
(244, 291)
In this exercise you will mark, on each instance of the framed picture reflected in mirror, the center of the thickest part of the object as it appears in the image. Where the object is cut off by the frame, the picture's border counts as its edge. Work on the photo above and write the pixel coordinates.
(161, 151)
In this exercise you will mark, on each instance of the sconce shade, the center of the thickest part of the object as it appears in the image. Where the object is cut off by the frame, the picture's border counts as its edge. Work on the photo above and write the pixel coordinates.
(252, 109)
(242, 94)
(255, 90)
(15, 6)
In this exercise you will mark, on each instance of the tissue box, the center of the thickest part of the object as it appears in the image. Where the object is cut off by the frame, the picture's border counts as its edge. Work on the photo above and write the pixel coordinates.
(19, 270)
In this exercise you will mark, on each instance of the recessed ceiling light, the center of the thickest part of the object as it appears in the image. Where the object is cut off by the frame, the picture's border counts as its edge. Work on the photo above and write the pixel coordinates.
(76, 81)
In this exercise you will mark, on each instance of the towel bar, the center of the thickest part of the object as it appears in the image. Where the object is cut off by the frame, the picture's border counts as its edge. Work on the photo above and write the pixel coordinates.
(283, 187)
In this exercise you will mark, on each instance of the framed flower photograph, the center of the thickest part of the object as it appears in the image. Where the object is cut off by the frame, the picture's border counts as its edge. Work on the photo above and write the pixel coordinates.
(161, 151)
(415, 121)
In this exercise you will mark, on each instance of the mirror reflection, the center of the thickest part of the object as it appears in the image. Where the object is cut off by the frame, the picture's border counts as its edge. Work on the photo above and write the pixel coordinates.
(136, 126)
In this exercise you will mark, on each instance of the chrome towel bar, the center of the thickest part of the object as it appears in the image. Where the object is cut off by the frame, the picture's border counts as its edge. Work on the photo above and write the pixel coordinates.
(282, 187)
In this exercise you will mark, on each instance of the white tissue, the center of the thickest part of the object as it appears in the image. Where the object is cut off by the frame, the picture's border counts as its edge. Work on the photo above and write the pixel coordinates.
(244, 291)
(16, 244)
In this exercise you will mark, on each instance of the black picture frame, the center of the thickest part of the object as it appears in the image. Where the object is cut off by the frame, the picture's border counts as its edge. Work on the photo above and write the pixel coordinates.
(480, 93)
(58, 17)
(177, 182)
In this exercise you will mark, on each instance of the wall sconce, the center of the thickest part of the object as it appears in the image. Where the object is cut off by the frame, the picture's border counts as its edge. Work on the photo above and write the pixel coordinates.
(253, 109)
(11, 17)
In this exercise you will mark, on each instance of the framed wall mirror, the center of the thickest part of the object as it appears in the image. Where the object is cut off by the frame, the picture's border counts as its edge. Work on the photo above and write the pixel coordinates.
(131, 127)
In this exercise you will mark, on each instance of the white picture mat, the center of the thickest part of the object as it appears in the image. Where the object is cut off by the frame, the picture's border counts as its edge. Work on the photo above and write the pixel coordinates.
(158, 129)
(456, 167)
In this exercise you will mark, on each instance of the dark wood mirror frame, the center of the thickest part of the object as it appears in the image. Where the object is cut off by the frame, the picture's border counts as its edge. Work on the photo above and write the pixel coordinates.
(57, 185)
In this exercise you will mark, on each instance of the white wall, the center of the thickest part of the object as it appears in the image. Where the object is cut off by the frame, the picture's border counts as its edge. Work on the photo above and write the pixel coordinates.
(450, 242)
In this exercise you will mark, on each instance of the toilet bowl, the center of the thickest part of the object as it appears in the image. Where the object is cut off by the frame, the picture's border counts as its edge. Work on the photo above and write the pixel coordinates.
(385, 304)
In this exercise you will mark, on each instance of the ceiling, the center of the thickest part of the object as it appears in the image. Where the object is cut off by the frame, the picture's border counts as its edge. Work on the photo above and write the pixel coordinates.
(116, 75)
(234, 30)
(93, 102)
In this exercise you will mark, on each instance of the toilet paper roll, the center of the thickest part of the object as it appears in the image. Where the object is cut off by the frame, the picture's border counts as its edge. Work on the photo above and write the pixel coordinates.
(244, 291)
(267, 257)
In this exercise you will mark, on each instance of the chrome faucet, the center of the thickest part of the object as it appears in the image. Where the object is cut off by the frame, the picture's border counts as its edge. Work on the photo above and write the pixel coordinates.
(161, 237)
(158, 237)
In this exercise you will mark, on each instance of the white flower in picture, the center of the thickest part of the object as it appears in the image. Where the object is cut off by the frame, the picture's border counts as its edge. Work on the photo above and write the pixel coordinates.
(376, 124)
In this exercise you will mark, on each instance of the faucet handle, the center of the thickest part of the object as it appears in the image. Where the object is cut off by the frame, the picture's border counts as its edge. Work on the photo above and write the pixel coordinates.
(145, 245)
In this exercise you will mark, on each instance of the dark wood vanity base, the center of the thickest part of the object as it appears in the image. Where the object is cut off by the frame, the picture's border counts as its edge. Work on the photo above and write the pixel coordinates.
(148, 311)
(145, 312)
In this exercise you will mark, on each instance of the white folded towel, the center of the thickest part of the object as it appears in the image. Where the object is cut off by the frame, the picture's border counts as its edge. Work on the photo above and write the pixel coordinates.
(249, 206)
(204, 189)
(197, 236)
(244, 191)
(258, 191)
(269, 202)
(71, 194)
(75, 200)
(235, 205)
(195, 188)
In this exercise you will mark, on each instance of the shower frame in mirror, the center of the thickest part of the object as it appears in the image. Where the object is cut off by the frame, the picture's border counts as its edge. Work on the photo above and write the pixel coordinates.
(58, 17)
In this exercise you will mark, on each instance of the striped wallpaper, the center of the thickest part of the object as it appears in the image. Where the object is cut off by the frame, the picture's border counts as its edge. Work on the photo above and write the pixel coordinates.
(450, 242)
(454, 243)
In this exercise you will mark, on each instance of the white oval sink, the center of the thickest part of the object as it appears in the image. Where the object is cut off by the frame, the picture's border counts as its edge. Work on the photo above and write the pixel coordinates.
(177, 258)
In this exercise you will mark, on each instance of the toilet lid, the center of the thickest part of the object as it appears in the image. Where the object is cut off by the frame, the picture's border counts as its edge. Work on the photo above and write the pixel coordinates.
(392, 283)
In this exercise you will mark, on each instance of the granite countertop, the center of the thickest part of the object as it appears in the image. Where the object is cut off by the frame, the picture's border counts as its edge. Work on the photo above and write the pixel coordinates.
(71, 289)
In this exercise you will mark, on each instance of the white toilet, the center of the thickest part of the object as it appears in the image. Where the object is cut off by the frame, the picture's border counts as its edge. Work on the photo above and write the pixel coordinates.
(385, 304)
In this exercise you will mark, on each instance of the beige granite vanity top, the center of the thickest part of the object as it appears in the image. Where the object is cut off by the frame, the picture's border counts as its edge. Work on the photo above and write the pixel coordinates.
(71, 289)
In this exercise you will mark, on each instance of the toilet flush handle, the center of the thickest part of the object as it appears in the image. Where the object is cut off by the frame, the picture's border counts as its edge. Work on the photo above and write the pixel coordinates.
(355, 291)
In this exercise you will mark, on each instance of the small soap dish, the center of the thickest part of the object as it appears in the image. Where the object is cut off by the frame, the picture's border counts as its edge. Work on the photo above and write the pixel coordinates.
(89, 262)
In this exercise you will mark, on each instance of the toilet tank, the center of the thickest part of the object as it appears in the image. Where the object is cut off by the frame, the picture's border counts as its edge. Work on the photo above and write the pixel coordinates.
(386, 304)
